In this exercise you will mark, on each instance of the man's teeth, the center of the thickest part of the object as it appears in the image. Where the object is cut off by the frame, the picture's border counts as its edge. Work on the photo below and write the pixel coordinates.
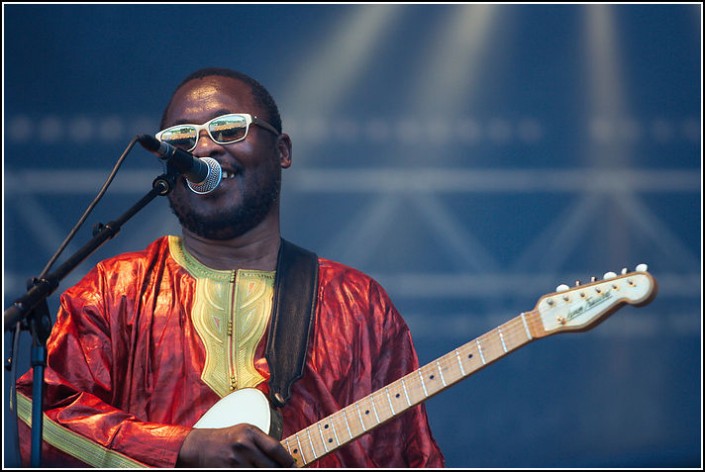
(228, 174)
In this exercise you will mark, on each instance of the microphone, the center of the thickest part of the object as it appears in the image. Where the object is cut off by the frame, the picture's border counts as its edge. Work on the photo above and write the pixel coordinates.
(203, 175)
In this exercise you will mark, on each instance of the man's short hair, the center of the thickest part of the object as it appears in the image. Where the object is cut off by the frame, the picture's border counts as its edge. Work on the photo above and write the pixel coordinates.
(259, 93)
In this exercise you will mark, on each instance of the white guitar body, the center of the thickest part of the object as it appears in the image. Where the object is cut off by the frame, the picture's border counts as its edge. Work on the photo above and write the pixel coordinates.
(568, 309)
(248, 405)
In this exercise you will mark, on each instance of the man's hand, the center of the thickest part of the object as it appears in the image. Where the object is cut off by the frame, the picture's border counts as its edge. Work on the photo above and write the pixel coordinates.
(242, 445)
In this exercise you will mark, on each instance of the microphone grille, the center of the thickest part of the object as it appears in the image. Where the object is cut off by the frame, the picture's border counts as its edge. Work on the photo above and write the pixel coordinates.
(212, 180)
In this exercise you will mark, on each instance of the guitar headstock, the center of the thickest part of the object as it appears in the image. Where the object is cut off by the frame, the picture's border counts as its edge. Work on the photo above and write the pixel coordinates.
(584, 306)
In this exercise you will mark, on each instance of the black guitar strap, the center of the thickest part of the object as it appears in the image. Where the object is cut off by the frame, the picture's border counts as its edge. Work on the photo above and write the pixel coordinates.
(293, 310)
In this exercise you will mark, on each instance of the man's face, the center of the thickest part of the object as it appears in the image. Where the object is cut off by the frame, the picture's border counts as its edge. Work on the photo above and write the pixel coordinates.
(249, 191)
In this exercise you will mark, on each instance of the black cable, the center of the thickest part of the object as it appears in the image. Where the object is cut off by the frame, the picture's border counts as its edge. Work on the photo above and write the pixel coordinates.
(88, 210)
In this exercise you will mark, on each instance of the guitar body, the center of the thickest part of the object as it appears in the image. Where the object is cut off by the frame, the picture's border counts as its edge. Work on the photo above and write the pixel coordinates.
(247, 405)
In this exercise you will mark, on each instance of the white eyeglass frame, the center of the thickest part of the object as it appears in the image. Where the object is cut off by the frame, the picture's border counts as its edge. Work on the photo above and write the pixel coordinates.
(249, 120)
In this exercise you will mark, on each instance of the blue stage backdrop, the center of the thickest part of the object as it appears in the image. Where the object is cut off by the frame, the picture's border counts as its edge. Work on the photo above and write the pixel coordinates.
(469, 157)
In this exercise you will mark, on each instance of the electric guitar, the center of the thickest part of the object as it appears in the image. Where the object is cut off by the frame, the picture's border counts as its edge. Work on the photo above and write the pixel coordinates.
(568, 309)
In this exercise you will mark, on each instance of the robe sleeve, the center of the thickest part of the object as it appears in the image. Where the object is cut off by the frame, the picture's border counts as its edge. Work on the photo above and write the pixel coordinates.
(82, 424)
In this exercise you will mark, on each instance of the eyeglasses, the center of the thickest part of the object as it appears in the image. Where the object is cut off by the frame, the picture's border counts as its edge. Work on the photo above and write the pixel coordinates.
(226, 129)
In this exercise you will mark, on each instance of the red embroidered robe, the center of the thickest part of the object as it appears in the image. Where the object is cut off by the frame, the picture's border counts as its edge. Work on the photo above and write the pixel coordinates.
(128, 371)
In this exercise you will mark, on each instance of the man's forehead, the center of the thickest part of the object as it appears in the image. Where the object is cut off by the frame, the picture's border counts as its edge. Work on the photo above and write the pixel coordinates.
(200, 96)
(201, 92)
(207, 87)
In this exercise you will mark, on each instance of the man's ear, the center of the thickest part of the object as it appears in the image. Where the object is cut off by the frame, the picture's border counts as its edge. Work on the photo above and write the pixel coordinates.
(284, 147)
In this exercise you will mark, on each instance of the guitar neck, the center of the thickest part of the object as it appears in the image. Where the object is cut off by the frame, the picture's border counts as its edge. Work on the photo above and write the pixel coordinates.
(323, 437)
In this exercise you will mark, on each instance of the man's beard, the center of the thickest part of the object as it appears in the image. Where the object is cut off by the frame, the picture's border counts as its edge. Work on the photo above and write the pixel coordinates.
(232, 222)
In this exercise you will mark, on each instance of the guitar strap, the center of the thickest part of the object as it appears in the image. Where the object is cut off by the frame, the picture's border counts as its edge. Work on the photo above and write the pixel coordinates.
(293, 309)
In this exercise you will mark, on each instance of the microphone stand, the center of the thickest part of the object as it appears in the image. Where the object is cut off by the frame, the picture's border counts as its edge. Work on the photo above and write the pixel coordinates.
(32, 311)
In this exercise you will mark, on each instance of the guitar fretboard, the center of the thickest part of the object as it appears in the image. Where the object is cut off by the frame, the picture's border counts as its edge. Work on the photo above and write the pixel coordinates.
(338, 429)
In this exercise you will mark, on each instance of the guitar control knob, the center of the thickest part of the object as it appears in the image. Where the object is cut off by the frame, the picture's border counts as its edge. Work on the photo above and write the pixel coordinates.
(642, 267)
(609, 275)
(562, 288)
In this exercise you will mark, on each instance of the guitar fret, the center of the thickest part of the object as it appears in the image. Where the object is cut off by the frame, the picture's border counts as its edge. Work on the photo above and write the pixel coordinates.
(460, 363)
(479, 349)
(423, 384)
(440, 372)
(335, 432)
(357, 405)
(406, 394)
(391, 407)
(374, 409)
(301, 450)
(526, 327)
(501, 338)
(320, 431)
(347, 424)
(313, 449)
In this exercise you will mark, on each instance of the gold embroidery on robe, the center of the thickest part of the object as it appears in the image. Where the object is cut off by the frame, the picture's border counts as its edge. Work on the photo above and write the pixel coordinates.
(231, 310)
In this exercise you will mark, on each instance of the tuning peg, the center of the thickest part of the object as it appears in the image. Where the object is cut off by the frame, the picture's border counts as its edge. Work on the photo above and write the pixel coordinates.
(642, 267)
(609, 275)
(562, 288)
(624, 270)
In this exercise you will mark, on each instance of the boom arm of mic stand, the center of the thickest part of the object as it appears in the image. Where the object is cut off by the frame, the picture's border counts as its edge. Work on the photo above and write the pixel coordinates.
(32, 312)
